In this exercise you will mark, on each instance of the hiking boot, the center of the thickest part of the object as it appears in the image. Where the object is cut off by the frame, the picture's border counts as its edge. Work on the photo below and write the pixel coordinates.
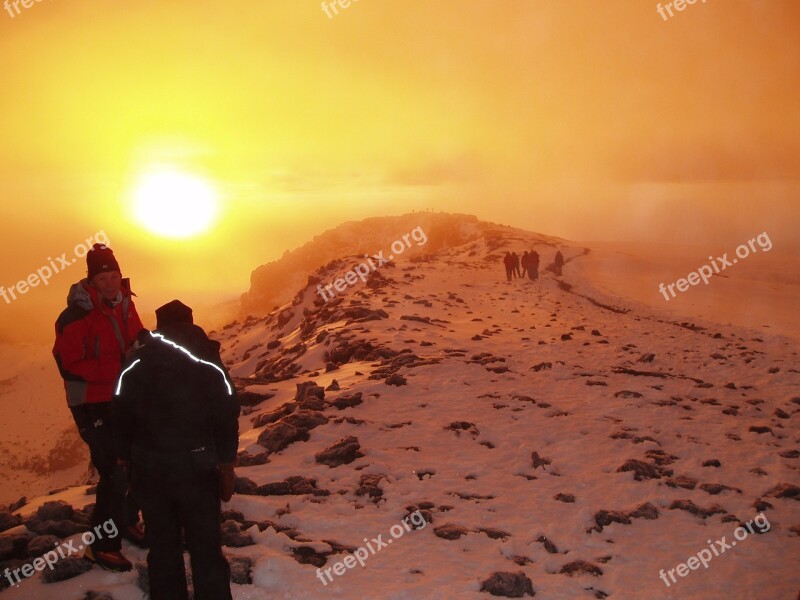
(135, 534)
(110, 561)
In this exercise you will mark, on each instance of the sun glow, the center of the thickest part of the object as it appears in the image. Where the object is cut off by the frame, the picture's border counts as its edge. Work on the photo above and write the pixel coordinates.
(175, 204)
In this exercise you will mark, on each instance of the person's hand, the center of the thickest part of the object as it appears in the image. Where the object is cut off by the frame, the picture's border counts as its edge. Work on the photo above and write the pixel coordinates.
(227, 480)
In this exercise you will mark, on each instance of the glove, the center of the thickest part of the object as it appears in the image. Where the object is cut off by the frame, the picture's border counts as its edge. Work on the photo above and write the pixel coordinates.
(227, 480)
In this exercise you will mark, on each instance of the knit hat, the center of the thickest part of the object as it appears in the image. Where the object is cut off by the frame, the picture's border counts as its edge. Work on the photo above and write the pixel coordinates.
(173, 312)
(100, 259)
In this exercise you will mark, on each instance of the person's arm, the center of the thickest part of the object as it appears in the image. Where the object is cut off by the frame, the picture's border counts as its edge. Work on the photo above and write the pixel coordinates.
(226, 420)
(225, 415)
(126, 392)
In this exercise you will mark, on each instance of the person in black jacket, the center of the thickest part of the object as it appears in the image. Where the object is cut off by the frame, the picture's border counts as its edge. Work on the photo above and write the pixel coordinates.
(558, 264)
(176, 419)
(533, 265)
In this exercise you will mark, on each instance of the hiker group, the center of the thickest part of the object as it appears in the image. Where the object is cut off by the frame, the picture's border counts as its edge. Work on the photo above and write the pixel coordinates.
(160, 416)
(530, 264)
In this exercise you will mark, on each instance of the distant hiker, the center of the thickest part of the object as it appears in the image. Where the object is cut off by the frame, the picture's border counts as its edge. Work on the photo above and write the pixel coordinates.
(515, 258)
(533, 265)
(524, 262)
(508, 261)
(559, 263)
(93, 335)
(176, 420)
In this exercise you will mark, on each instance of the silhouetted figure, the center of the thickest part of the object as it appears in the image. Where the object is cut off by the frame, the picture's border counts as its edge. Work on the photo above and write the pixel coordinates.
(533, 265)
(559, 263)
(176, 420)
(515, 258)
(508, 261)
(524, 262)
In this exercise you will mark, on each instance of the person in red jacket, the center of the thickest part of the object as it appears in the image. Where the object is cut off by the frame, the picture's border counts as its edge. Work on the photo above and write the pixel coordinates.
(94, 334)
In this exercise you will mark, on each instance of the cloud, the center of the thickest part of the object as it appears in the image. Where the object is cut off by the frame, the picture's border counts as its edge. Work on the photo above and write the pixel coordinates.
(458, 169)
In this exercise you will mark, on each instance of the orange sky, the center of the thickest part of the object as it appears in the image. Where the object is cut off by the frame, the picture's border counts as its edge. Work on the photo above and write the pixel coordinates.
(585, 120)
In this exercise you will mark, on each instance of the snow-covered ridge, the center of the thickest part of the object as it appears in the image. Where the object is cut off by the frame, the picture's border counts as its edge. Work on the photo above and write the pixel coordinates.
(556, 438)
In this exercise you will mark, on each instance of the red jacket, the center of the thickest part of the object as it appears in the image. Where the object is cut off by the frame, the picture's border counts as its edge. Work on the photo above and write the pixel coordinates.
(91, 340)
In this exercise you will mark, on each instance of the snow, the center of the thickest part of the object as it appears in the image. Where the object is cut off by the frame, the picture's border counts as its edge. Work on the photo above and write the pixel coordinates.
(583, 415)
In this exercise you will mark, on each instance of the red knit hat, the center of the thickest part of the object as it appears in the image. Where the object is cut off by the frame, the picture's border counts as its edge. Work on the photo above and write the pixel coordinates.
(100, 259)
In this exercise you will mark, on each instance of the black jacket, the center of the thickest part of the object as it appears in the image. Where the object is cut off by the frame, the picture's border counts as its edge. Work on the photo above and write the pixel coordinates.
(174, 403)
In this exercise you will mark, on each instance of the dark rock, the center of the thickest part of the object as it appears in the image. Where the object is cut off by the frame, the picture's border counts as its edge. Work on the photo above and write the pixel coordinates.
(278, 436)
(784, 490)
(716, 488)
(604, 518)
(347, 401)
(712, 462)
(59, 529)
(691, 507)
(40, 544)
(6, 547)
(396, 379)
(91, 595)
(510, 585)
(760, 429)
(660, 458)
(342, 452)
(246, 398)
(682, 481)
(627, 394)
(368, 485)
(306, 555)
(241, 567)
(245, 486)
(564, 498)
(333, 387)
(579, 567)
(641, 470)
(66, 568)
(450, 531)
(539, 461)
(425, 513)
(762, 505)
(274, 415)
(645, 511)
(340, 548)
(55, 511)
(459, 426)
(305, 420)
(7, 520)
(548, 545)
(234, 515)
(233, 536)
(252, 460)
(295, 485)
(495, 534)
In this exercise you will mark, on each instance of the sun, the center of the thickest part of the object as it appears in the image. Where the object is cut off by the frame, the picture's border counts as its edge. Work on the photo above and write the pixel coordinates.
(175, 204)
